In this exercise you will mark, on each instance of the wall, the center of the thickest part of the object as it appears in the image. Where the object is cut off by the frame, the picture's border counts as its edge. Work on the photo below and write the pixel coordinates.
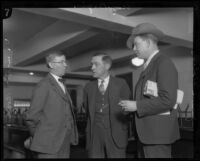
(183, 61)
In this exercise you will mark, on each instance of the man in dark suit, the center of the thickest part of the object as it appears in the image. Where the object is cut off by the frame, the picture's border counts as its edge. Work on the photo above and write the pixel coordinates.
(155, 94)
(106, 131)
(50, 118)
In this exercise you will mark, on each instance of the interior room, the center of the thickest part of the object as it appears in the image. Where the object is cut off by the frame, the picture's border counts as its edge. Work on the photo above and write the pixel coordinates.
(29, 34)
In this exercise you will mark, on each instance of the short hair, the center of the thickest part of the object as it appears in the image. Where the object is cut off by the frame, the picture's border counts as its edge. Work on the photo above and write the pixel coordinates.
(149, 36)
(51, 56)
(105, 57)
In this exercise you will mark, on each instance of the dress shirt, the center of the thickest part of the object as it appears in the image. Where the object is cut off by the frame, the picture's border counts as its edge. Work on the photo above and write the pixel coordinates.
(105, 83)
(149, 59)
(60, 83)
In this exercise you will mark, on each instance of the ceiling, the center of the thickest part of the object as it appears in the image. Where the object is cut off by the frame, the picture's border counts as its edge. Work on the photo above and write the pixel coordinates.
(33, 32)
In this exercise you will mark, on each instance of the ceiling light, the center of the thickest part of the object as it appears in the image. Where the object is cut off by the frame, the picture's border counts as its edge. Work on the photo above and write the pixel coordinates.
(137, 61)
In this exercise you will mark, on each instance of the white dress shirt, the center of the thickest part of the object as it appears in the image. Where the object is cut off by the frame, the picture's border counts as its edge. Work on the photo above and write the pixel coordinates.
(105, 83)
(60, 83)
(149, 59)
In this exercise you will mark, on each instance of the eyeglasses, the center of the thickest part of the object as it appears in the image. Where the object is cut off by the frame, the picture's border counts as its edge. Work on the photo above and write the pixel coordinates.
(62, 62)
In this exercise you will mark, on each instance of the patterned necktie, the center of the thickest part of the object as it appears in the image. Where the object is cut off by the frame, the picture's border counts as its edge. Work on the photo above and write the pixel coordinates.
(101, 87)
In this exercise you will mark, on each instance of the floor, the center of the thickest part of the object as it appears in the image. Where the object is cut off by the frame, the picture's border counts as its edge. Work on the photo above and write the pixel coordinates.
(180, 149)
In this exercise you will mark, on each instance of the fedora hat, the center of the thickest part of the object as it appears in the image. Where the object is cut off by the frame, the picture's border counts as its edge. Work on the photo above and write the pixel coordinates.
(144, 28)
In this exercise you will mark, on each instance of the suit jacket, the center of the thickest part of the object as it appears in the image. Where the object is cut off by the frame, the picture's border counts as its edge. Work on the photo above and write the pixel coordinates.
(153, 127)
(117, 89)
(47, 117)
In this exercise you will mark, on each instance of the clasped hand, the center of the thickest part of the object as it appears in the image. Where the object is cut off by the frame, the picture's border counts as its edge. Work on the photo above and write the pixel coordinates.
(128, 105)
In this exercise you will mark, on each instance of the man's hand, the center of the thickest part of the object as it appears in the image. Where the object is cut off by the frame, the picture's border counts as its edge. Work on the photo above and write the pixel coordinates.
(128, 105)
(27, 142)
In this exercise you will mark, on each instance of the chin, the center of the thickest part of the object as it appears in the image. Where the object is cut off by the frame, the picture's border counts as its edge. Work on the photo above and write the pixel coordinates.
(94, 75)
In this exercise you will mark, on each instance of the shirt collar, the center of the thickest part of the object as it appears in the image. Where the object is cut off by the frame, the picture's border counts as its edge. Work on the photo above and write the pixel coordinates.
(149, 59)
(55, 76)
(106, 80)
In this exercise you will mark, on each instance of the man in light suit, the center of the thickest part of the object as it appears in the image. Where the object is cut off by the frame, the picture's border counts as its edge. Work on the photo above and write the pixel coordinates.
(156, 119)
(106, 131)
(51, 118)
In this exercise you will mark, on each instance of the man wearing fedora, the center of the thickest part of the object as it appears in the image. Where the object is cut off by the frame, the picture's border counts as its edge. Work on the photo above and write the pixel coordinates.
(155, 95)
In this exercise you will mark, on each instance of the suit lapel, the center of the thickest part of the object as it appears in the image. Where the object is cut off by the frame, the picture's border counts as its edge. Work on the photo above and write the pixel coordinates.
(143, 75)
(111, 91)
(56, 86)
(68, 96)
(93, 97)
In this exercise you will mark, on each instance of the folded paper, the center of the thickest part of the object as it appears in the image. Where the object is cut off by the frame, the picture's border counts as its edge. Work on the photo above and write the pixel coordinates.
(151, 89)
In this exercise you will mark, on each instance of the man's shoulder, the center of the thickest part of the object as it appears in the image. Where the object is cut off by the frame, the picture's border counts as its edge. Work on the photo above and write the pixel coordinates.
(163, 57)
(91, 83)
(117, 79)
(43, 82)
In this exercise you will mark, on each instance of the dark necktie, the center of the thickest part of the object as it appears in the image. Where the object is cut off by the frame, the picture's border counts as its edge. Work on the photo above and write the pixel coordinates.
(101, 87)
(61, 80)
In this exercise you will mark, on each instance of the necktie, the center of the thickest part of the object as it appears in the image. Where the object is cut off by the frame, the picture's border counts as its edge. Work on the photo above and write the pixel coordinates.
(61, 80)
(101, 87)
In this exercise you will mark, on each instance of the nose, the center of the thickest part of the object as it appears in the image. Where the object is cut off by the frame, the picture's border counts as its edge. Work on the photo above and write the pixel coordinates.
(65, 64)
(92, 67)
(134, 48)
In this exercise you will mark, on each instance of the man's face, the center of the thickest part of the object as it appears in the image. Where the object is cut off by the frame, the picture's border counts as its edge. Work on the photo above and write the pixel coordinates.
(59, 65)
(99, 68)
(140, 47)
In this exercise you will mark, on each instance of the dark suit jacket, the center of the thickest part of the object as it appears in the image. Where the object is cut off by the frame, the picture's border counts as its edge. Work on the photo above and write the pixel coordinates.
(117, 89)
(153, 128)
(47, 117)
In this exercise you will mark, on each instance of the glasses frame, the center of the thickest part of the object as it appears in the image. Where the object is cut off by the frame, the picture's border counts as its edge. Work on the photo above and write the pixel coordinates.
(61, 62)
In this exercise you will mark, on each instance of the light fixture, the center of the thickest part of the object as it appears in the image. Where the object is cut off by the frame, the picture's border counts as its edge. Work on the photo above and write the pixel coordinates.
(137, 61)
(31, 73)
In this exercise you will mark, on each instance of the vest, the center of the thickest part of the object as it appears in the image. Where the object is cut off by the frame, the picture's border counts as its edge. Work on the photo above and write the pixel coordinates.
(102, 110)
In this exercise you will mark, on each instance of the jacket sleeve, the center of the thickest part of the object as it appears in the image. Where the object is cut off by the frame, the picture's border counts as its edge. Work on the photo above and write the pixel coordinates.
(34, 114)
(167, 84)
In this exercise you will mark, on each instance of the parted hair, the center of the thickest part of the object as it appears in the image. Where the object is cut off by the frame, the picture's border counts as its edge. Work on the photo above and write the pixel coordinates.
(105, 57)
(51, 56)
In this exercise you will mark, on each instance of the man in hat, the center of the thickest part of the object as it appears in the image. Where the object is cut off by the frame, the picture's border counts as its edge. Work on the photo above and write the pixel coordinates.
(155, 95)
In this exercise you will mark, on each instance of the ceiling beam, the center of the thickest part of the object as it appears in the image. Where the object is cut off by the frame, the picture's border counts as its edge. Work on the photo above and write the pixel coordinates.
(56, 36)
(126, 11)
(105, 19)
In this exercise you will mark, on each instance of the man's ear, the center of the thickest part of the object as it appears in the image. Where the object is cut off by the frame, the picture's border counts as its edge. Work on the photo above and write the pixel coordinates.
(149, 42)
(107, 66)
(50, 65)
